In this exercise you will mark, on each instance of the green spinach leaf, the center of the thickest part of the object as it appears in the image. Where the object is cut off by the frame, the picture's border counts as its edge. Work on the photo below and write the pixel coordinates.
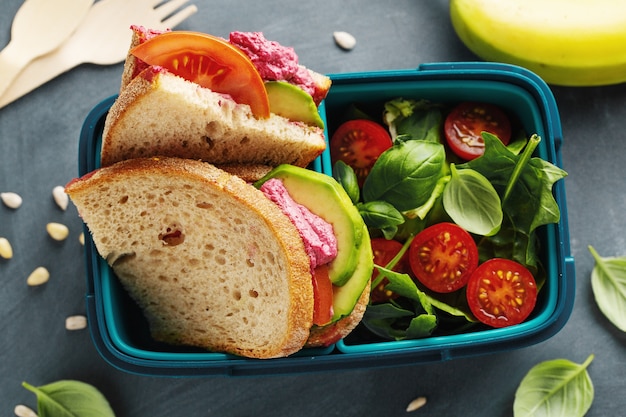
(472, 202)
(406, 174)
(555, 388)
(68, 398)
(608, 282)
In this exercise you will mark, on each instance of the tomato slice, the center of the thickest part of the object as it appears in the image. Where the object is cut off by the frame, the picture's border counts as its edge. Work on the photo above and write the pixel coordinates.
(359, 143)
(443, 256)
(322, 295)
(465, 123)
(209, 61)
(501, 292)
(384, 251)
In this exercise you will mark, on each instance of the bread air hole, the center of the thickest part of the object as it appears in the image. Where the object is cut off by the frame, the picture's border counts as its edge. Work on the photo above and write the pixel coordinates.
(172, 236)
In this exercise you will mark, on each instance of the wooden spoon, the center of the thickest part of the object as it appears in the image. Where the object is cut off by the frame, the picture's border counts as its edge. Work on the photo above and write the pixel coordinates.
(39, 27)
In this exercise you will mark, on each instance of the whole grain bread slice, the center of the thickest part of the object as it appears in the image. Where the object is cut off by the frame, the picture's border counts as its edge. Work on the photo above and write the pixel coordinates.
(208, 258)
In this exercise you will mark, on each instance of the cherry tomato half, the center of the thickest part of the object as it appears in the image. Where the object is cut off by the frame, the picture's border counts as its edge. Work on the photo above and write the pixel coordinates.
(209, 61)
(384, 251)
(501, 292)
(465, 123)
(322, 296)
(443, 256)
(359, 143)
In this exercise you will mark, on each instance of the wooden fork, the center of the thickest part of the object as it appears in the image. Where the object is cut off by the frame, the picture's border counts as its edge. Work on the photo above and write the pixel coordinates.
(102, 38)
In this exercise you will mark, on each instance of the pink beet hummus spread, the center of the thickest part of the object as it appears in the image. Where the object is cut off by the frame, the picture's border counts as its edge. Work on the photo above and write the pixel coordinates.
(273, 61)
(319, 239)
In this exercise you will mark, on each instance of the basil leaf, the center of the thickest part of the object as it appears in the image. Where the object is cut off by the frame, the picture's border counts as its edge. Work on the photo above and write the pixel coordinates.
(555, 388)
(67, 398)
(381, 215)
(406, 174)
(345, 176)
(530, 202)
(608, 282)
(413, 120)
(472, 202)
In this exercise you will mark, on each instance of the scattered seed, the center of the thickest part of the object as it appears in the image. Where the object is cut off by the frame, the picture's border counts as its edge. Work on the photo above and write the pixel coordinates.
(38, 277)
(23, 411)
(11, 200)
(75, 322)
(419, 402)
(58, 193)
(6, 251)
(81, 238)
(344, 40)
(57, 231)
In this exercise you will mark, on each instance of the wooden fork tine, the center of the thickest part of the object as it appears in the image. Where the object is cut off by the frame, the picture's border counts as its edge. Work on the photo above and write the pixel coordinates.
(168, 7)
(179, 17)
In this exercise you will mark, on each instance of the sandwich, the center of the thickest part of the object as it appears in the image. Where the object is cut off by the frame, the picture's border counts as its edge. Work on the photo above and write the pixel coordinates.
(244, 104)
(258, 270)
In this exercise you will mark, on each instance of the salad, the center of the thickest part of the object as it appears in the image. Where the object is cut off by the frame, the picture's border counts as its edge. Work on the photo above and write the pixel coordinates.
(453, 199)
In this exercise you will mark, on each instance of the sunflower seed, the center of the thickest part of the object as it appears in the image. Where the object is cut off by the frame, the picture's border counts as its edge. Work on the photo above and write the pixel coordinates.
(11, 200)
(6, 251)
(58, 193)
(57, 231)
(417, 403)
(75, 322)
(344, 40)
(81, 238)
(38, 277)
(23, 411)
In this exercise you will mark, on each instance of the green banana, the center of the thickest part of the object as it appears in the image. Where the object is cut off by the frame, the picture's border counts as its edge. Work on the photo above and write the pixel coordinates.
(566, 42)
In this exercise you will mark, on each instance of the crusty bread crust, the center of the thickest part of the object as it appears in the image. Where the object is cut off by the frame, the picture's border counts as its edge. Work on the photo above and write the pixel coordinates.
(322, 336)
(159, 113)
(209, 259)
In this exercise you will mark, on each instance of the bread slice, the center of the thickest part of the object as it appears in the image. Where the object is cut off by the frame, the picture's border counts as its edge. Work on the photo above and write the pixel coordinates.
(209, 259)
(159, 113)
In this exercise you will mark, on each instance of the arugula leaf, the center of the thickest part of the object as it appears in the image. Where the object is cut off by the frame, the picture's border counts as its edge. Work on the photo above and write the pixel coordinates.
(406, 174)
(555, 388)
(68, 398)
(608, 282)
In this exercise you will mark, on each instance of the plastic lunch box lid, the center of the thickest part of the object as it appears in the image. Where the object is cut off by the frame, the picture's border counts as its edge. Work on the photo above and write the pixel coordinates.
(455, 346)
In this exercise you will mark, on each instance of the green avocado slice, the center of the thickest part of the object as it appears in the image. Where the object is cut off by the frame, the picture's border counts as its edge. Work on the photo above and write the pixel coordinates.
(293, 103)
(346, 296)
(326, 198)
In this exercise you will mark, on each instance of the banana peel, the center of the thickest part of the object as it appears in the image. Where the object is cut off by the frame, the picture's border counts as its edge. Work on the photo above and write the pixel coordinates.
(565, 42)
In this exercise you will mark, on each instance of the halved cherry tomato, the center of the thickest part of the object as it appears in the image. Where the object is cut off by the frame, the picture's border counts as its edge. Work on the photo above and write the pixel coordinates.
(464, 125)
(443, 256)
(384, 251)
(209, 61)
(359, 143)
(501, 292)
(322, 296)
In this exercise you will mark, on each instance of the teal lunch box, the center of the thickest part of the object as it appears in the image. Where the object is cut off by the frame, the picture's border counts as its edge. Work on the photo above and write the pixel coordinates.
(121, 335)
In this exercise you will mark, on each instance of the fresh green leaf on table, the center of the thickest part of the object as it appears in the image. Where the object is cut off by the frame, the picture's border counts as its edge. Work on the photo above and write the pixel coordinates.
(555, 388)
(68, 398)
(608, 282)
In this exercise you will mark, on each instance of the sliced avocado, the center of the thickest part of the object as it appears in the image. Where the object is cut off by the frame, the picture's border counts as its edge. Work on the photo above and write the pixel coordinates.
(324, 196)
(292, 102)
(346, 296)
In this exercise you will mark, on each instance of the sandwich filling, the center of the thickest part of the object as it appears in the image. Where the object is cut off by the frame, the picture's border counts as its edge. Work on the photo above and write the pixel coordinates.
(318, 236)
